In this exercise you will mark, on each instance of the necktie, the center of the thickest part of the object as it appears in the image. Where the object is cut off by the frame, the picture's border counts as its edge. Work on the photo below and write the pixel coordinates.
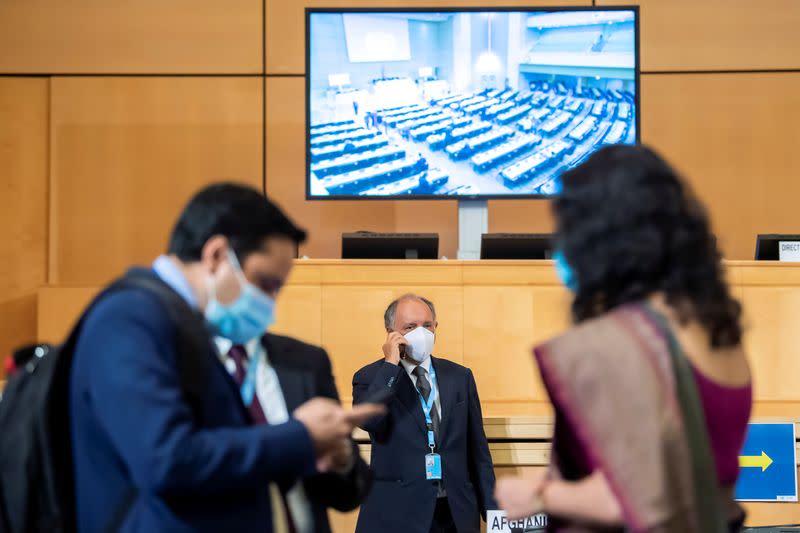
(281, 517)
(424, 388)
(239, 355)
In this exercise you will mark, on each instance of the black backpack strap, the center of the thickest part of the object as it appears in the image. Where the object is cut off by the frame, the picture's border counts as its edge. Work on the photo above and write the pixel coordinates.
(707, 494)
(193, 338)
(192, 345)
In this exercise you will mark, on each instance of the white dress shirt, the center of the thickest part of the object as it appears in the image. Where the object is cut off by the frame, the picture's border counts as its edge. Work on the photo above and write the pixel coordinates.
(273, 404)
(426, 364)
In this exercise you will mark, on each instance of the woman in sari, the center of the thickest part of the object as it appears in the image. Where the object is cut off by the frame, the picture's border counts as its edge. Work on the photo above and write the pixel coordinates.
(650, 387)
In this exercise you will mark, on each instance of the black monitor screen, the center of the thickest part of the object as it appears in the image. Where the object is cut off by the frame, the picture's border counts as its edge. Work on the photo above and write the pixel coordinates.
(516, 246)
(368, 245)
(476, 103)
(770, 247)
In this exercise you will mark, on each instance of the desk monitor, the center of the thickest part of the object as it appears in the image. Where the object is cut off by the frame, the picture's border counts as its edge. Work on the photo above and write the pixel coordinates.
(516, 246)
(768, 247)
(368, 245)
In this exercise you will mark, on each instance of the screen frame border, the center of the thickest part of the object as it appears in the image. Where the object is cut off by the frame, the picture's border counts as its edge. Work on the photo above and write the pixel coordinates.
(470, 9)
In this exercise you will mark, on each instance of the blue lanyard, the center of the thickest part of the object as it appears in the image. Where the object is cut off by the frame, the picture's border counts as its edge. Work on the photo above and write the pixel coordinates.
(248, 387)
(427, 407)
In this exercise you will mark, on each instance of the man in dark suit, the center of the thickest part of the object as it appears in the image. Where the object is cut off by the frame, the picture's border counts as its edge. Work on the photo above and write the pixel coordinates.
(288, 373)
(148, 455)
(433, 473)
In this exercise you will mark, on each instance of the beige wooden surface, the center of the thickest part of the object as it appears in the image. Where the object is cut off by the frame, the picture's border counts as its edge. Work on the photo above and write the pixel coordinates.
(730, 136)
(127, 153)
(23, 206)
(681, 35)
(131, 36)
(490, 315)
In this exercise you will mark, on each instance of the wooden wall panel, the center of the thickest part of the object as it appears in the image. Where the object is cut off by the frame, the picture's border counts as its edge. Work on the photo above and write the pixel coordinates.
(765, 514)
(285, 24)
(509, 306)
(299, 313)
(342, 522)
(126, 155)
(23, 186)
(497, 342)
(734, 138)
(718, 34)
(23, 206)
(520, 216)
(769, 298)
(131, 36)
(430, 216)
(503, 320)
(59, 309)
(491, 314)
(17, 326)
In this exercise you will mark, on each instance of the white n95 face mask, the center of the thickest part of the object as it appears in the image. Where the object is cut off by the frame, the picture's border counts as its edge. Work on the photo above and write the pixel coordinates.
(420, 344)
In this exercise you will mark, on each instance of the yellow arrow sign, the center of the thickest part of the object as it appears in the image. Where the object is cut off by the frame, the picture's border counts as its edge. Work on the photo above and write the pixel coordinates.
(755, 461)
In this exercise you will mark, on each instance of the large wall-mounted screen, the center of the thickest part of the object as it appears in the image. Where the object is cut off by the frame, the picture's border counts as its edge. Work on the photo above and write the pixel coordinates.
(479, 103)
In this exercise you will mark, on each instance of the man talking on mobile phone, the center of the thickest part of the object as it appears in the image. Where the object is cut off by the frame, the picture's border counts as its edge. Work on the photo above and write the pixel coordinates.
(430, 458)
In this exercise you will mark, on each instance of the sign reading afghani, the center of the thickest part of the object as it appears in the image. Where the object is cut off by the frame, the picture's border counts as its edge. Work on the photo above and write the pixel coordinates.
(496, 522)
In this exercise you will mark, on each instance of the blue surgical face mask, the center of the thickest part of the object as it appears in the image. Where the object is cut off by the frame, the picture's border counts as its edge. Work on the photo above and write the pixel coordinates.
(565, 272)
(245, 318)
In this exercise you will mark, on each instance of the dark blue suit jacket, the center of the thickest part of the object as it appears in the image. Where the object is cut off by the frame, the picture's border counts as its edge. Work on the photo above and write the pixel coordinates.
(198, 468)
(304, 372)
(402, 500)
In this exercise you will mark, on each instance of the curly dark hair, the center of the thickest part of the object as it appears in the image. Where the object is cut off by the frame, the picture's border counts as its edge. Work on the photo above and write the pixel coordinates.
(629, 228)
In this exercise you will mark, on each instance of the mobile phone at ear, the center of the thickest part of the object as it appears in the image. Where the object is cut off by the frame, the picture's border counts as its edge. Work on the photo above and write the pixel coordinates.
(403, 351)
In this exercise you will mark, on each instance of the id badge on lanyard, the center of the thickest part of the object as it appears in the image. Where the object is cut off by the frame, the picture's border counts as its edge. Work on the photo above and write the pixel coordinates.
(433, 461)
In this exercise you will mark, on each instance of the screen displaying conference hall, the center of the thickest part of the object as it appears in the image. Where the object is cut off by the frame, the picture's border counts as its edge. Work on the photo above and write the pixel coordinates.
(475, 103)
(421, 146)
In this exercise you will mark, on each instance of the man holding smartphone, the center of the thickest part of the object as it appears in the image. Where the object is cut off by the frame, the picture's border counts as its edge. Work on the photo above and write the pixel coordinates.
(430, 458)
(162, 437)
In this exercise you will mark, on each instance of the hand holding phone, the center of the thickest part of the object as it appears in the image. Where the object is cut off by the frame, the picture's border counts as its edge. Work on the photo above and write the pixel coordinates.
(328, 424)
(394, 348)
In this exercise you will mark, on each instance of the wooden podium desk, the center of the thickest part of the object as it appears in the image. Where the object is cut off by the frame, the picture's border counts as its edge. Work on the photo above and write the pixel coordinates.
(490, 314)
